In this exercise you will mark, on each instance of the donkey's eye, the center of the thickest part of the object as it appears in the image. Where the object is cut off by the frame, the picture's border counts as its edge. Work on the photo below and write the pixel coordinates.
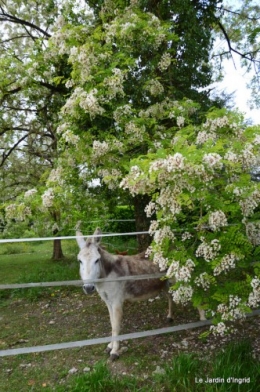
(97, 261)
(79, 261)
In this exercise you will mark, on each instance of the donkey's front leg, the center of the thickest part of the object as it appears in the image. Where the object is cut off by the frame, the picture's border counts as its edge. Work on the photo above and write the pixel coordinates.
(116, 313)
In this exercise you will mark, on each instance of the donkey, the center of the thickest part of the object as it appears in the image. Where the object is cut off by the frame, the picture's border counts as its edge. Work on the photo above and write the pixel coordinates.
(97, 263)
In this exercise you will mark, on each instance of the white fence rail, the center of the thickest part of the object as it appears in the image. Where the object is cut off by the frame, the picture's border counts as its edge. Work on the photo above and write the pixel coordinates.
(4, 241)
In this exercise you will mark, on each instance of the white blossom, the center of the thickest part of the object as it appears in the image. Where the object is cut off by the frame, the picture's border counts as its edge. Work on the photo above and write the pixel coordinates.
(182, 295)
(219, 329)
(165, 62)
(30, 193)
(150, 209)
(254, 296)
(155, 87)
(249, 204)
(48, 198)
(186, 236)
(180, 121)
(174, 162)
(100, 148)
(160, 260)
(70, 137)
(253, 232)
(217, 219)
(231, 156)
(204, 136)
(203, 281)
(161, 234)
(227, 262)
(213, 160)
(256, 140)
(208, 251)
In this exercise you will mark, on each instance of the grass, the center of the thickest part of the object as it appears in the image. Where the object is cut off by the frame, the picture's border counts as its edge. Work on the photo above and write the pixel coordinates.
(35, 265)
(233, 370)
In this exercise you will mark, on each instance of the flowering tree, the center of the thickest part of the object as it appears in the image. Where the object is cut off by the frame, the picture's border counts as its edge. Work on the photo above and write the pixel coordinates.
(206, 213)
(127, 67)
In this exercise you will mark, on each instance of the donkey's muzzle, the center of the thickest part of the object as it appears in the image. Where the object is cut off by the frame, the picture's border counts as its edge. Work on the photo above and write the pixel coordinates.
(88, 288)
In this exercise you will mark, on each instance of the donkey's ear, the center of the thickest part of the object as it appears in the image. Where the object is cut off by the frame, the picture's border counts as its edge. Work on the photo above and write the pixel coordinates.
(80, 240)
(97, 232)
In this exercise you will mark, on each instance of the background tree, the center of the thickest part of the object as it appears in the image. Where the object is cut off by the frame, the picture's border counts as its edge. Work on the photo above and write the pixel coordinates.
(31, 96)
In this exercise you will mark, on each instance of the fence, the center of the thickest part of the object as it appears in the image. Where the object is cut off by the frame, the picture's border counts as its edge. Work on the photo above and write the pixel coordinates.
(108, 339)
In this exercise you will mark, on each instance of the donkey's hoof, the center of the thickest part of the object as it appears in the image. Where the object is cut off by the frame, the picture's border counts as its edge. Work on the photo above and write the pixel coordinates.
(169, 319)
(108, 350)
(114, 357)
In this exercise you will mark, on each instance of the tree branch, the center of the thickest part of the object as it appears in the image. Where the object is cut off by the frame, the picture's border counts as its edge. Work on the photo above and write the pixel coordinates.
(13, 19)
(231, 49)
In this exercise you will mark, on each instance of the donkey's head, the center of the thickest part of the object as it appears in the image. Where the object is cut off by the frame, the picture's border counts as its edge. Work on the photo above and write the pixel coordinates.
(89, 258)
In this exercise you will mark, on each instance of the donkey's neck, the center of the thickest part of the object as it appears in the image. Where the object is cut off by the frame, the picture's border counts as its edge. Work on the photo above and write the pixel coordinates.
(107, 262)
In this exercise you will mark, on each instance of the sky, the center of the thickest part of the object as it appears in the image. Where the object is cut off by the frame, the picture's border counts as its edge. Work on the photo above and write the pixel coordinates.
(235, 80)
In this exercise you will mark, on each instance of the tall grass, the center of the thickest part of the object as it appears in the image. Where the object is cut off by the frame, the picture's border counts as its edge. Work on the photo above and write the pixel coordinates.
(186, 373)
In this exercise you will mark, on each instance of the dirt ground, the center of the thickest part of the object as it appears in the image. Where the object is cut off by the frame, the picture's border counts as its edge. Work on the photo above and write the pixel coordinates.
(65, 316)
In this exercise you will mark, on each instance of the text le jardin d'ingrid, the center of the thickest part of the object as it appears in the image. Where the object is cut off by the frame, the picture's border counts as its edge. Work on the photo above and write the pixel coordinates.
(221, 380)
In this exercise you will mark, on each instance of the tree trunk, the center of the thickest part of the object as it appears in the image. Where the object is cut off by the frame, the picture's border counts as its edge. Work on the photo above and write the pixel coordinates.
(57, 253)
(142, 223)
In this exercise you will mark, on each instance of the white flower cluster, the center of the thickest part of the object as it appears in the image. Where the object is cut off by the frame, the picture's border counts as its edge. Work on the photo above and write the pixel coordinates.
(56, 177)
(167, 200)
(217, 219)
(153, 226)
(203, 281)
(213, 124)
(232, 311)
(110, 177)
(85, 59)
(213, 160)
(208, 251)
(155, 87)
(248, 156)
(70, 137)
(182, 295)
(121, 112)
(86, 100)
(164, 62)
(231, 157)
(180, 121)
(204, 136)
(219, 329)
(150, 209)
(136, 133)
(186, 236)
(227, 262)
(19, 212)
(249, 204)
(254, 296)
(160, 260)
(253, 232)
(115, 83)
(181, 273)
(161, 234)
(30, 193)
(100, 149)
(48, 198)
(256, 140)
(170, 164)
